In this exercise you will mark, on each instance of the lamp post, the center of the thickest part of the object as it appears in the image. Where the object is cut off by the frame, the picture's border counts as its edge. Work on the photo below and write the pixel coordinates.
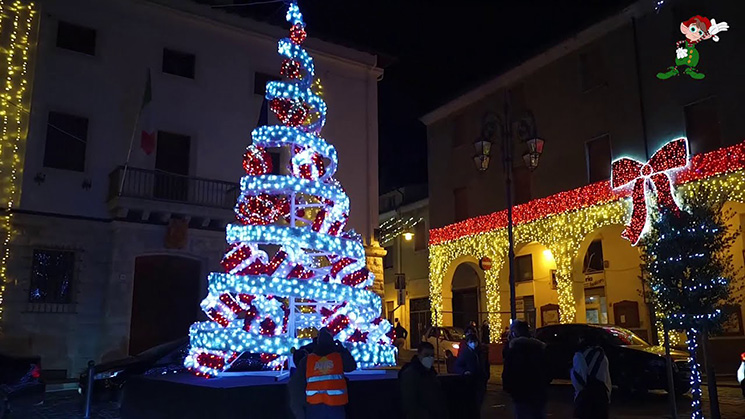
(508, 128)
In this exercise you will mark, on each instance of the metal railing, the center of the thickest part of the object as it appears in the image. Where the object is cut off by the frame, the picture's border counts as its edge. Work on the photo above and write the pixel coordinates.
(161, 186)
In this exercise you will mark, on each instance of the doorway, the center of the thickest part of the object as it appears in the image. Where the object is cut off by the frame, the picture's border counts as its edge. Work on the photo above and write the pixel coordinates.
(165, 300)
(172, 161)
(466, 294)
(420, 319)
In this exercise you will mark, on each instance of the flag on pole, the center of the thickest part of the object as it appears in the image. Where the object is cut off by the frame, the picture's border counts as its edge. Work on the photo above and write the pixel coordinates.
(147, 141)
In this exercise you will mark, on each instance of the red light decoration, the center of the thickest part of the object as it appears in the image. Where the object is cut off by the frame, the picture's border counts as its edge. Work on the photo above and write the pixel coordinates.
(318, 221)
(218, 318)
(337, 324)
(358, 336)
(672, 156)
(251, 314)
(267, 327)
(339, 265)
(355, 278)
(258, 210)
(298, 34)
(290, 112)
(702, 166)
(292, 69)
(256, 161)
(273, 264)
(228, 300)
(211, 361)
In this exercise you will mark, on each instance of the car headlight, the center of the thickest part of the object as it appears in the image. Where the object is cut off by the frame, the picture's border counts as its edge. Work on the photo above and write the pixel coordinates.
(106, 375)
(456, 346)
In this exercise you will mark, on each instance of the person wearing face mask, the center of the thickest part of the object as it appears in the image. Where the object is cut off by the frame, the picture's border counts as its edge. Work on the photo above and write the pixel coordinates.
(421, 394)
(320, 375)
(472, 363)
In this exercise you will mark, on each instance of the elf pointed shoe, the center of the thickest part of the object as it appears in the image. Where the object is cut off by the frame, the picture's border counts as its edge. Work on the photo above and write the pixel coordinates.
(694, 74)
(671, 72)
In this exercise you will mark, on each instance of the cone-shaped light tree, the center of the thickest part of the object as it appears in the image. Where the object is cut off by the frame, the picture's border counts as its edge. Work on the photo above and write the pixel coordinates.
(290, 267)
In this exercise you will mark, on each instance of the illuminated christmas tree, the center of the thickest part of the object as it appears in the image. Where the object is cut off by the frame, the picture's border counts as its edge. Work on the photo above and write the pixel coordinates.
(290, 268)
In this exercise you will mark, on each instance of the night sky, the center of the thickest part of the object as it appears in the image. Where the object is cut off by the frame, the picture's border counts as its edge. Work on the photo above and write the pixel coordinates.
(432, 51)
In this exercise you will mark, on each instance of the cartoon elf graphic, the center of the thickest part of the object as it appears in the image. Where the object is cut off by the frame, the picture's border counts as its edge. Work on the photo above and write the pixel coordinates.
(695, 29)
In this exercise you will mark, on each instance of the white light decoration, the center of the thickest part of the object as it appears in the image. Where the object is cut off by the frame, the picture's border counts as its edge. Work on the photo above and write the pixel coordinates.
(265, 302)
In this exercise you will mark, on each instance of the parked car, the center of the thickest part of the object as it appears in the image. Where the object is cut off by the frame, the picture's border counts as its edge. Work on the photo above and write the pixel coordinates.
(168, 358)
(21, 385)
(741, 373)
(444, 339)
(634, 364)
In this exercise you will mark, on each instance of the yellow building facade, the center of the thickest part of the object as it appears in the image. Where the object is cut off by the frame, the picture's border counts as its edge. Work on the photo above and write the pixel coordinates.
(572, 263)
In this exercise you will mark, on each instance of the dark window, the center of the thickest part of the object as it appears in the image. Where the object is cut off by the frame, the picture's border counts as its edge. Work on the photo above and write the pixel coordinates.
(420, 236)
(702, 126)
(524, 268)
(76, 38)
(598, 158)
(178, 63)
(260, 81)
(522, 184)
(65, 144)
(594, 261)
(460, 197)
(591, 70)
(51, 276)
(172, 162)
(388, 258)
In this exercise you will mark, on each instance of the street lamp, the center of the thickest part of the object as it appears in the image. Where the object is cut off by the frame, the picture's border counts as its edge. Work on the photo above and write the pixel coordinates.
(508, 128)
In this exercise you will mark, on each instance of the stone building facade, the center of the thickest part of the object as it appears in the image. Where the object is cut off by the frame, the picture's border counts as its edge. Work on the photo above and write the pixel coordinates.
(100, 268)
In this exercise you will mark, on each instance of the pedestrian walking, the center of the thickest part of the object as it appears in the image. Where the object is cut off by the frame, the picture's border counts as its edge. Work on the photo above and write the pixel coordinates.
(591, 381)
(525, 375)
(401, 335)
(421, 394)
(321, 374)
(471, 362)
(471, 329)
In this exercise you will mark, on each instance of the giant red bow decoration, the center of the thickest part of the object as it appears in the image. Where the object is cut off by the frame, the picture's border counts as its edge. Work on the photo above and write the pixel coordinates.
(672, 156)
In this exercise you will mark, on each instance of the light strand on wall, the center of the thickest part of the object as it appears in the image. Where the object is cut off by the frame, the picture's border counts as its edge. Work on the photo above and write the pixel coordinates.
(15, 88)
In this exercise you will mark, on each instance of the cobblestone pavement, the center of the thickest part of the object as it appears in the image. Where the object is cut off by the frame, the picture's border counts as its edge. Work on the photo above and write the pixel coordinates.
(651, 405)
(68, 405)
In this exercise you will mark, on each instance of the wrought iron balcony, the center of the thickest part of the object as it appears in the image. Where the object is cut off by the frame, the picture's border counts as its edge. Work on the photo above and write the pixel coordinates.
(154, 192)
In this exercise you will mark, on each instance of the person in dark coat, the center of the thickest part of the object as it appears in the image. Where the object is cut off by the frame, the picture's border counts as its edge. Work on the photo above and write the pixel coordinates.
(485, 334)
(525, 376)
(471, 362)
(421, 394)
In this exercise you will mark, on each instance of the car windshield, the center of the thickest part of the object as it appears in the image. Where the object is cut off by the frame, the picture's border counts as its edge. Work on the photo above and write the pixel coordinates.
(453, 334)
(624, 337)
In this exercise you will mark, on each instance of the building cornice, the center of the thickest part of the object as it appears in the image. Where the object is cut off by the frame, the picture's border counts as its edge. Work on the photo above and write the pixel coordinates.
(265, 32)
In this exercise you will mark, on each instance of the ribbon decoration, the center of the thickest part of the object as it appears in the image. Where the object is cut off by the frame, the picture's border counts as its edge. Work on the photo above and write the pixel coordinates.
(672, 156)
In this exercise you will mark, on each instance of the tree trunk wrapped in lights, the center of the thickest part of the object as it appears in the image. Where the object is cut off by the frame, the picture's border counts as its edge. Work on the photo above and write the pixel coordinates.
(690, 272)
(290, 268)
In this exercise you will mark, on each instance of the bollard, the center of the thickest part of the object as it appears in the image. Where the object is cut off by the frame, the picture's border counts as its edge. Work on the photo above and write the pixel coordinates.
(89, 389)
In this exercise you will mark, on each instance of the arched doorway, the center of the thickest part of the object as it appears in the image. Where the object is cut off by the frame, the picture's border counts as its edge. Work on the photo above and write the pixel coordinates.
(165, 300)
(467, 290)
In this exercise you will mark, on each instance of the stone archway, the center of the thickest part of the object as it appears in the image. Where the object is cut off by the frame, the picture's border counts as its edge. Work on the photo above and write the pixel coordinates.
(468, 292)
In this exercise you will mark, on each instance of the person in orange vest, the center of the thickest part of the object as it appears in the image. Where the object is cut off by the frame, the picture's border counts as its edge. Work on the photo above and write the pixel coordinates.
(322, 371)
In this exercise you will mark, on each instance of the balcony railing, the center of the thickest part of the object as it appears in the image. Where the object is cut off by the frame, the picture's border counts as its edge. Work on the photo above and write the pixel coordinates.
(160, 186)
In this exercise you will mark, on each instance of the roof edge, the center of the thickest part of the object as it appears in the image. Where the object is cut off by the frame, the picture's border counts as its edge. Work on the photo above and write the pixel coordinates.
(534, 63)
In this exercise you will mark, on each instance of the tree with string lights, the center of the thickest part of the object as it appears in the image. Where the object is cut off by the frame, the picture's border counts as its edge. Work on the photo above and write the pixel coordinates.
(291, 267)
(690, 272)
